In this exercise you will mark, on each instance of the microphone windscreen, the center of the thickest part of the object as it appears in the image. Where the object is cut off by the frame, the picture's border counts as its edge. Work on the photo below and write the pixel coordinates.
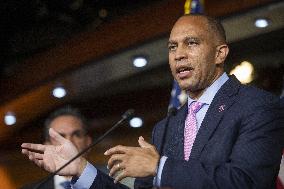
(172, 111)
(128, 114)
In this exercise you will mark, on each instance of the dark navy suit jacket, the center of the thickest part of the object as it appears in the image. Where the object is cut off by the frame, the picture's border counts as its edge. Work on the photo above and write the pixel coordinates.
(239, 146)
(47, 185)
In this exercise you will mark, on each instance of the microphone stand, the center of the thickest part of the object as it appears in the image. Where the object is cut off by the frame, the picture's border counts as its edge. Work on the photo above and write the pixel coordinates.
(171, 112)
(127, 115)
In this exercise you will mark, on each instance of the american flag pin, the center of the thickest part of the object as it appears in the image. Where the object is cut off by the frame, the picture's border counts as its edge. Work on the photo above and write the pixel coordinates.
(221, 108)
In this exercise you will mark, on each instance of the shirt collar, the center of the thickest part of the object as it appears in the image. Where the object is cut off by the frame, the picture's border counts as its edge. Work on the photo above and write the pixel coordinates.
(210, 92)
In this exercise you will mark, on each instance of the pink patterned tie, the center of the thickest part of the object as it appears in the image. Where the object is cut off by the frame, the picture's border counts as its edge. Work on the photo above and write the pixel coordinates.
(190, 129)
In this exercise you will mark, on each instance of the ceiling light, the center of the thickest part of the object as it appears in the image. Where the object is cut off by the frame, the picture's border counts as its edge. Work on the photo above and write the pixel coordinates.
(103, 13)
(139, 62)
(10, 118)
(59, 92)
(243, 72)
(136, 122)
(261, 23)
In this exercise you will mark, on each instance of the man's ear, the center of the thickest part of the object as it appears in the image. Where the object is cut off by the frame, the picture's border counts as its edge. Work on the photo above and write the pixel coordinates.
(221, 53)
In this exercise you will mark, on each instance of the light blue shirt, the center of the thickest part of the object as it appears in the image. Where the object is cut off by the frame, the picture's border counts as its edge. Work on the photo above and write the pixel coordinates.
(90, 172)
(86, 179)
(206, 98)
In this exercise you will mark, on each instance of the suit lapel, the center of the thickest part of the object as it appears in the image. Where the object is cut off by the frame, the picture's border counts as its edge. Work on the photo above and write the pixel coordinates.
(222, 101)
(176, 127)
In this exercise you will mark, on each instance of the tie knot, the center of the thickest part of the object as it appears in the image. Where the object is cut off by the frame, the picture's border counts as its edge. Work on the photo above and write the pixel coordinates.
(66, 184)
(195, 107)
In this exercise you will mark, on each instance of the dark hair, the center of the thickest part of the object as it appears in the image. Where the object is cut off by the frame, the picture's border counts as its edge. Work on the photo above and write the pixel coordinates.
(214, 25)
(65, 111)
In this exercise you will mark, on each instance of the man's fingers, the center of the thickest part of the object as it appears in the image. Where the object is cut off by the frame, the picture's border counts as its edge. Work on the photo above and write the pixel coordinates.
(120, 176)
(116, 168)
(38, 156)
(34, 156)
(34, 147)
(25, 151)
(114, 159)
(56, 136)
(117, 150)
(143, 143)
(39, 162)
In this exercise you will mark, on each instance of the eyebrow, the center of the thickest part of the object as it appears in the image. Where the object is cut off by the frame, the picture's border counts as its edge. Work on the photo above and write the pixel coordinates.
(187, 38)
(171, 42)
(192, 38)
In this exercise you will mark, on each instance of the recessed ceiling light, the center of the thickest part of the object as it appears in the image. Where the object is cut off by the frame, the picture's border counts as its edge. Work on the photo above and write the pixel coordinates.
(139, 62)
(10, 118)
(136, 122)
(59, 92)
(261, 22)
(244, 72)
(103, 13)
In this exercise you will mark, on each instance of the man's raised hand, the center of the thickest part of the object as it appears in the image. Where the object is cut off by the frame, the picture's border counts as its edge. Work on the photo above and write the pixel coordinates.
(52, 157)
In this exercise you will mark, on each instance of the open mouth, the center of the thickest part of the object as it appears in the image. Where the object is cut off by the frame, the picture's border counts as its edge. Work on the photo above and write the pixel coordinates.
(183, 72)
(183, 69)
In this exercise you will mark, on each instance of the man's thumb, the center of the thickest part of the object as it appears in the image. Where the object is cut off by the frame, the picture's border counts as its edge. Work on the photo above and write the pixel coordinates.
(143, 143)
(56, 136)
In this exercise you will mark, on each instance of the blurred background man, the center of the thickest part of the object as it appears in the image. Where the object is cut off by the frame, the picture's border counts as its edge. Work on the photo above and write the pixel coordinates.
(72, 125)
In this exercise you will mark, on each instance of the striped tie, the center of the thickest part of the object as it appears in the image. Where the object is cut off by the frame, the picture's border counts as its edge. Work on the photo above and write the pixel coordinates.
(190, 129)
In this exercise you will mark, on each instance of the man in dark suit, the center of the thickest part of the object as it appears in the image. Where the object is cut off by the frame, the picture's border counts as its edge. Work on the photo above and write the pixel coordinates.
(72, 125)
(226, 136)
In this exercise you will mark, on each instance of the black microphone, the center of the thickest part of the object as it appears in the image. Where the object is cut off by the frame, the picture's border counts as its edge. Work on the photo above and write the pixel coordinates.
(171, 112)
(126, 116)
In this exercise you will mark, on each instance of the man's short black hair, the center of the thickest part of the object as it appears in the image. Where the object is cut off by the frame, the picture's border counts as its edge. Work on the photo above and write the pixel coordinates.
(64, 111)
(214, 25)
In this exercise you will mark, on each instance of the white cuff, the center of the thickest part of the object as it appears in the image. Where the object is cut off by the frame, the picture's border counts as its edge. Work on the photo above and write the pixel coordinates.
(158, 177)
